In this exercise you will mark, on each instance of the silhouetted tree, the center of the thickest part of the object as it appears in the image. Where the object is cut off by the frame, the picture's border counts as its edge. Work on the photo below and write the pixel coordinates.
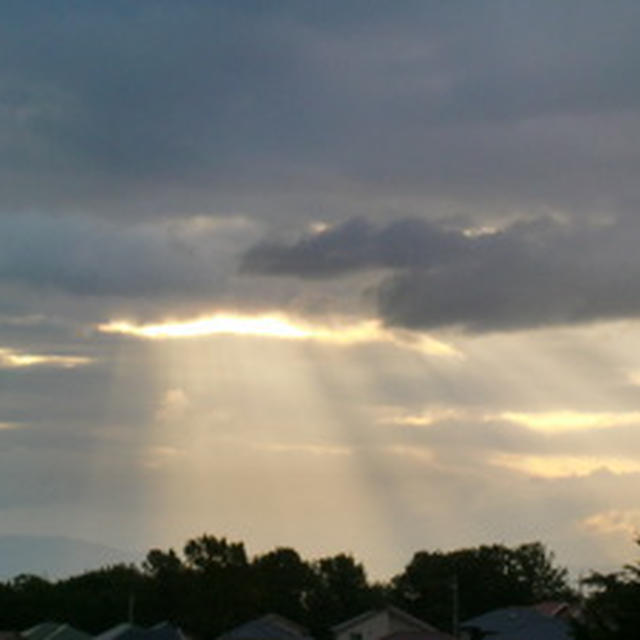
(208, 553)
(168, 583)
(282, 582)
(212, 586)
(97, 600)
(341, 591)
(612, 609)
(158, 563)
(218, 592)
(27, 599)
(486, 578)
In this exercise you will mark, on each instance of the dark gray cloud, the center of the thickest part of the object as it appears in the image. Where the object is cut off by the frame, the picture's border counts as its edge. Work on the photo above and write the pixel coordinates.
(357, 244)
(166, 108)
(96, 258)
(529, 274)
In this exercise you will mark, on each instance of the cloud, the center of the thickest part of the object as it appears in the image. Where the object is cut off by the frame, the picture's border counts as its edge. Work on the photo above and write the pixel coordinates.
(174, 406)
(527, 274)
(94, 258)
(552, 466)
(281, 327)
(356, 245)
(551, 422)
(544, 422)
(168, 112)
(426, 418)
(10, 359)
(625, 521)
(168, 108)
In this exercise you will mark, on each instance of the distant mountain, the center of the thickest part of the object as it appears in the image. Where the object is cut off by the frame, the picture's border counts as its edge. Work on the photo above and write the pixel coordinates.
(56, 557)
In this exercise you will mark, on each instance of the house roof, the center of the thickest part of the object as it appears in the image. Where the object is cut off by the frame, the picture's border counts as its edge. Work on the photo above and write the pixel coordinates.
(392, 611)
(54, 631)
(519, 623)
(269, 627)
(164, 631)
(124, 631)
(553, 608)
(418, 635)
(40, 631)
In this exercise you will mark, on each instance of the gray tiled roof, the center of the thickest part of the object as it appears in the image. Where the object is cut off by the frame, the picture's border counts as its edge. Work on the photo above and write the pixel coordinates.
(269, 627)
(164, 631)
(519, 623)
(40, 631)
(391, 611)
(126, 631)
(54, 631)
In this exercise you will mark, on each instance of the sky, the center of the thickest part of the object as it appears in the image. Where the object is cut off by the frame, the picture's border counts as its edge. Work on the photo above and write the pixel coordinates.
(341, 276)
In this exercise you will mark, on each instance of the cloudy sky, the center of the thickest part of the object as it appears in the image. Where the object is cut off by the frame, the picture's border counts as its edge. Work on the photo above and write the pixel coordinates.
(346, 276)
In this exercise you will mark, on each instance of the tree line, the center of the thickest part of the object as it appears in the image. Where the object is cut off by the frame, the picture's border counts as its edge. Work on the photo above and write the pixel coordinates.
(212, 585)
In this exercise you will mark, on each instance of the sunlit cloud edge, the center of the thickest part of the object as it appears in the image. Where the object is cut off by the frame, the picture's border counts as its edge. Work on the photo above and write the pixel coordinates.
(614, 521)
(282, 327)
(556, 467)
(13, 359)
(544, 422)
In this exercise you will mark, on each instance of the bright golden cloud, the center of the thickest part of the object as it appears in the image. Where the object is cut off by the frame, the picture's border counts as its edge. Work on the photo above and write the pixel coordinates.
(563, 421)
(547, 422)
(626, 521)
(564, 466)
(424, 419)
(282, 327)
(10, 359)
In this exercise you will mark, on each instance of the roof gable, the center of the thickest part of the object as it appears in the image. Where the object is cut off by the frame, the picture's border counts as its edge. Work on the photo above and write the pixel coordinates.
(269, 627)
(391, 611)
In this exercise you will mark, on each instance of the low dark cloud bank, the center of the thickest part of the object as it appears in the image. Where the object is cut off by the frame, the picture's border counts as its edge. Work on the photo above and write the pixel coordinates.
(529, 274)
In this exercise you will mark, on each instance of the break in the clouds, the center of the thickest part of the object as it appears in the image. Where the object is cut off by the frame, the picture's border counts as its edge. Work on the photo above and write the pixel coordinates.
(528, 274)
